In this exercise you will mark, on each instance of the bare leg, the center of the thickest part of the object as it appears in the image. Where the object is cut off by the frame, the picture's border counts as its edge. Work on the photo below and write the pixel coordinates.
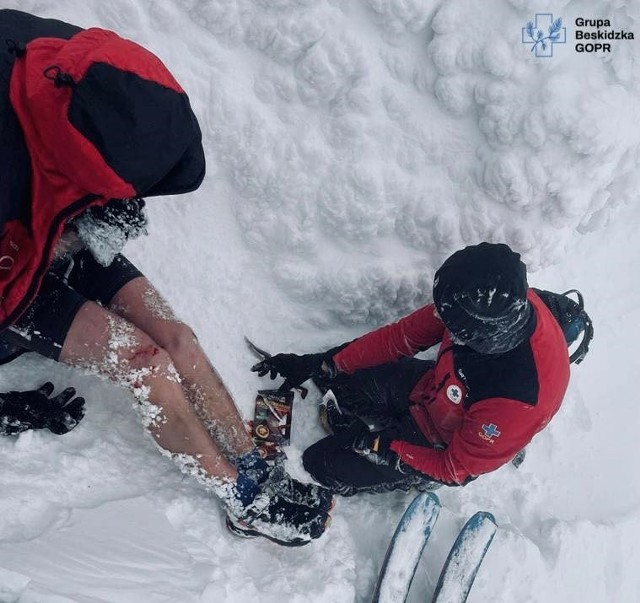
(143, 306)
(109, 345)
(300, 509)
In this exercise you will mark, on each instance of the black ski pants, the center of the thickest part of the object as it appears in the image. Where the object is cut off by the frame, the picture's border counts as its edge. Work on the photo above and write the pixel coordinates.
(380, 395)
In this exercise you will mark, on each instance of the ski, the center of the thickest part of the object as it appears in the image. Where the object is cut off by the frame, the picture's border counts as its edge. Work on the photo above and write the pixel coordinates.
(464, 559)
(405, 549)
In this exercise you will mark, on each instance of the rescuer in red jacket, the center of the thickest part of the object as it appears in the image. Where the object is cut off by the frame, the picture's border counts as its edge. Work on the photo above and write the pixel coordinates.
(500, 374)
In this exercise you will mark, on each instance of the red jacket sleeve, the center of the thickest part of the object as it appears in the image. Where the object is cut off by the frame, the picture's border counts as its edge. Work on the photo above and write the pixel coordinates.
(418, 331)
(493, 432)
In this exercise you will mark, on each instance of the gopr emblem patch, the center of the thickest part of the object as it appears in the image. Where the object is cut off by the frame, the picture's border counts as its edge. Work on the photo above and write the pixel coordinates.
(489, 432)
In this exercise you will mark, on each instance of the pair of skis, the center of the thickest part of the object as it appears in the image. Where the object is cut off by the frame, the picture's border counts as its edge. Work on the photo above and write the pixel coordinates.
(410, 538)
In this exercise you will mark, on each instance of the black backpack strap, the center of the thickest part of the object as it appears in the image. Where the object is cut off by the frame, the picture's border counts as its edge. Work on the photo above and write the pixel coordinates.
(572, 318)
(581, 351)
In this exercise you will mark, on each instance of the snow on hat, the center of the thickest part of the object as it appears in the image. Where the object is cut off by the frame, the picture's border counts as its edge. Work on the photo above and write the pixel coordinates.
(480, 293)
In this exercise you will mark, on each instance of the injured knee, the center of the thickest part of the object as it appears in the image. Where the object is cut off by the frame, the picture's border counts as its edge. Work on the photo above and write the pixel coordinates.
(142, 356)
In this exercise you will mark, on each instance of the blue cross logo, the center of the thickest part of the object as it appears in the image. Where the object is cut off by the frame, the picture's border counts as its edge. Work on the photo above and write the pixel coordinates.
(491, 431)
(542, 42)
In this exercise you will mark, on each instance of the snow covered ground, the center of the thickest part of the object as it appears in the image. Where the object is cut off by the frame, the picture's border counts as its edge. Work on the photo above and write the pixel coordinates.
(352, 146)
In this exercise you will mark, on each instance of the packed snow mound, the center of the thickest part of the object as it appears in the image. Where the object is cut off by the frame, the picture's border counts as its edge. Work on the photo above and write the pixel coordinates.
(553, 140)
(399, 132)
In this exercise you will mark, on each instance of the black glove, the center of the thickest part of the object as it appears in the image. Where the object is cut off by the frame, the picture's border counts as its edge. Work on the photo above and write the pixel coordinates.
(294, 368)
(35, 409)
(352, 432)
(375, 448)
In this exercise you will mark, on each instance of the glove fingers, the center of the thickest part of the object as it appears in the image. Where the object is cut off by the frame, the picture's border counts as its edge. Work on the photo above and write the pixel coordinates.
(262, 368)
(68, 420)
(67, 417)
(75, 408)
(62, 425)
(46, 389)
(287, 385)
(63, 398)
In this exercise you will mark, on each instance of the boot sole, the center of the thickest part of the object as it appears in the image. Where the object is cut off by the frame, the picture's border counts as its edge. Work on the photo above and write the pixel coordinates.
(247, 532)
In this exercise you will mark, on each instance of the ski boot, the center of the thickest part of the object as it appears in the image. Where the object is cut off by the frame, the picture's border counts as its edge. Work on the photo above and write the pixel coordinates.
(279, 520)
(275, 480)
(280, 483)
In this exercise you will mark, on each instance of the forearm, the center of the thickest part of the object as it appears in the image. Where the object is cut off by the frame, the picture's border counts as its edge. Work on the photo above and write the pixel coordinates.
(411, 334)
(435, 464)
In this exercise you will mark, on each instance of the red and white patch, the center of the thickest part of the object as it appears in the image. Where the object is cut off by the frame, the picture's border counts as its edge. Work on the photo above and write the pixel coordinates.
(454, 393)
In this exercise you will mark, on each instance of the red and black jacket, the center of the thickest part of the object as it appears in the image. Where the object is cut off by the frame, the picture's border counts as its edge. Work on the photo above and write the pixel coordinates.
(85, 116)
(480, 409)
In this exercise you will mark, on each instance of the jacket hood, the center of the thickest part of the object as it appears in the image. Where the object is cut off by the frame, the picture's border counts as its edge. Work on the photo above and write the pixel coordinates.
(100, 118)
(105, 115)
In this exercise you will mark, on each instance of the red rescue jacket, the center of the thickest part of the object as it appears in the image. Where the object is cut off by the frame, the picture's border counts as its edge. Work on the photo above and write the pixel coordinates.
(85, 116)
(482, 409)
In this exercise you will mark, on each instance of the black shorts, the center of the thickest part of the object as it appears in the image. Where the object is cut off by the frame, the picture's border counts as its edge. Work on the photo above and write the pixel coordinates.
(69, 283)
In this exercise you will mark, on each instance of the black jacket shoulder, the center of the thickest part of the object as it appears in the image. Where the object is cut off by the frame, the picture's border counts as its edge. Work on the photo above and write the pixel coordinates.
(512, 375)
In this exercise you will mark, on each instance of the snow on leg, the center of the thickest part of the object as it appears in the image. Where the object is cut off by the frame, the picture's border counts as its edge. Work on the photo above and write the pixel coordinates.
(140, 303)
(108, 345)
(300, 508)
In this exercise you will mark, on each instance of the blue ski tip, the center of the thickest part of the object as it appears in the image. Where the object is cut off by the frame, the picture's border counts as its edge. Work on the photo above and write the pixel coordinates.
(464, 559)
(405, 549)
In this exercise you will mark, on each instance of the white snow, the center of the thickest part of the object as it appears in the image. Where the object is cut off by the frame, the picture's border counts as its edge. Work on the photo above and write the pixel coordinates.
(351, 147)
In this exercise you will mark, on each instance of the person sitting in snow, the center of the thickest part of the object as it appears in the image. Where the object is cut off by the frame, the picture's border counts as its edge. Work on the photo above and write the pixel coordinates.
(90, 122)
(501, 373)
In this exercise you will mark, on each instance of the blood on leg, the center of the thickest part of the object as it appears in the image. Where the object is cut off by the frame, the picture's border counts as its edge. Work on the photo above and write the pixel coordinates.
(142, 305)
(106, 344)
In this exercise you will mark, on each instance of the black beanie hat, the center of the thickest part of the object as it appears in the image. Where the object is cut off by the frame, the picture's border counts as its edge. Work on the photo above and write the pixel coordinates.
(480, 293)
